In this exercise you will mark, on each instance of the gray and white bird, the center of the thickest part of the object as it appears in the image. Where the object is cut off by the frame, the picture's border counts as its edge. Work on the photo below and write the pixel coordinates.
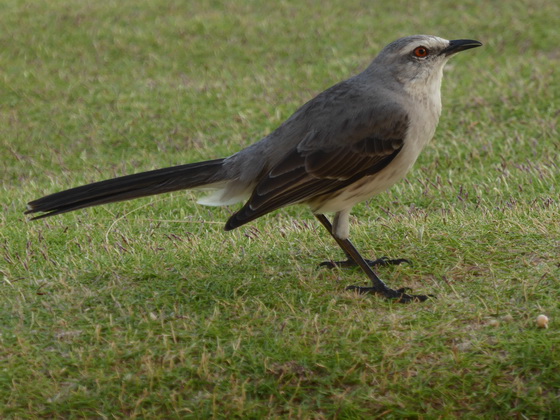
(349, 143)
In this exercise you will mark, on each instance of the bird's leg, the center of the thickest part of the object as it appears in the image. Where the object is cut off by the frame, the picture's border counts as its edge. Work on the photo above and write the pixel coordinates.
(349, 262)
(340, 227)
(378, 286)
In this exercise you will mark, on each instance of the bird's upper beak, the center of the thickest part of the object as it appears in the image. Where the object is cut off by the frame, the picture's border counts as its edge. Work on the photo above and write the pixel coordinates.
(460, 45)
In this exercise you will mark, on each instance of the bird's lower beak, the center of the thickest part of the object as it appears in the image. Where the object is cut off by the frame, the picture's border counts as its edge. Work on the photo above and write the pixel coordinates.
(460, 45)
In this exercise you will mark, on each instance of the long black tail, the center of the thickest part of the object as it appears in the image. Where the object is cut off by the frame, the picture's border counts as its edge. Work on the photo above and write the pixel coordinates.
(128, 187)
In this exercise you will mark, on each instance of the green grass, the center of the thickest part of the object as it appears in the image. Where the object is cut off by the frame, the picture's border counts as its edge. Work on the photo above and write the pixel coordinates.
(149, 309)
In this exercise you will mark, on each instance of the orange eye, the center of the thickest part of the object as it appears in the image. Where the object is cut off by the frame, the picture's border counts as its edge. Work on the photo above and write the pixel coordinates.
(421, 52)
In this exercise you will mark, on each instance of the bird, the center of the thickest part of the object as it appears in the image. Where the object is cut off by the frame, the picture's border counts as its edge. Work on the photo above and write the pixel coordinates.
(349, 143)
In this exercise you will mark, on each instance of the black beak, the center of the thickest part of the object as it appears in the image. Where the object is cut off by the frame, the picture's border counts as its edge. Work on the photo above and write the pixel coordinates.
(460, 45)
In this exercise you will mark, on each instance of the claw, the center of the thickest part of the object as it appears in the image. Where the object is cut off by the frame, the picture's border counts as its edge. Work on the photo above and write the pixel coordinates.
(383, 261)
(377, 285)
(399, 295)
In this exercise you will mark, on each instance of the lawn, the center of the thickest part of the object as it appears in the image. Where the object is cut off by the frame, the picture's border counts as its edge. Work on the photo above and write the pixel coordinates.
(148, 309)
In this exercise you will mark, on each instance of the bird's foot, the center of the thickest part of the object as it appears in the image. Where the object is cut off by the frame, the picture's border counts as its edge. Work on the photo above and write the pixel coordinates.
(399, 295)
(382, 262)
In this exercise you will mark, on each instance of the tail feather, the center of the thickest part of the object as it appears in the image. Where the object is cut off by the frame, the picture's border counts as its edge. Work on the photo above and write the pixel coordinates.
(128, 187)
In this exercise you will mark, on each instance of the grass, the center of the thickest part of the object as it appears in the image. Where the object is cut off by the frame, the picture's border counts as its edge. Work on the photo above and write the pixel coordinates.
(148, 309)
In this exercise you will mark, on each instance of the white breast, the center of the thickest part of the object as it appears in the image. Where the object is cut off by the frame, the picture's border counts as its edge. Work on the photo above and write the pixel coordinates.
(424, 117)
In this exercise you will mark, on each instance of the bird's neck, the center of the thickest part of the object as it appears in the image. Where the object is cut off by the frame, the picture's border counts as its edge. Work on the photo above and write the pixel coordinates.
(426, 93)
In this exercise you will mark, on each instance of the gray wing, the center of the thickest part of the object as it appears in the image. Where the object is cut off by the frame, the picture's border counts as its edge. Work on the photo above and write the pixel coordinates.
(341, 146)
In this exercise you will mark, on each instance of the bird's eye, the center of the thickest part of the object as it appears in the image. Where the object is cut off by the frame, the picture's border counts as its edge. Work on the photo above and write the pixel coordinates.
(421, 52)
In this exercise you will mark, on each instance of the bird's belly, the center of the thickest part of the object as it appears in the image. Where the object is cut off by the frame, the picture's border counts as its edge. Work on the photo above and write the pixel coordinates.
(355, 193)
(366, 187)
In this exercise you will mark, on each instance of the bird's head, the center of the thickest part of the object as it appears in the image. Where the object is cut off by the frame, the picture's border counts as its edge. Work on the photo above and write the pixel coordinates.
(419, 59)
